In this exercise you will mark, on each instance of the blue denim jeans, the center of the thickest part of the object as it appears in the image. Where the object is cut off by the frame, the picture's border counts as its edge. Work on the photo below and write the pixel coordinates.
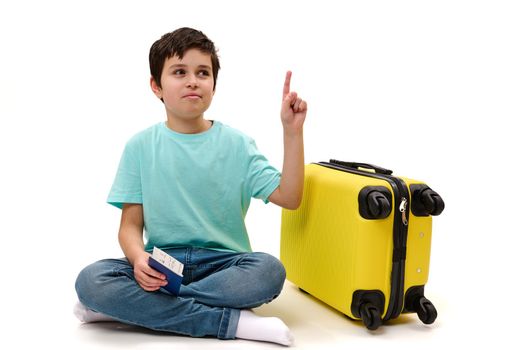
(216, 285)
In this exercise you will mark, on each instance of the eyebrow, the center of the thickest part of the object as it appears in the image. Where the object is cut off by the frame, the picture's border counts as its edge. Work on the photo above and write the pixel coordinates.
(180, 65)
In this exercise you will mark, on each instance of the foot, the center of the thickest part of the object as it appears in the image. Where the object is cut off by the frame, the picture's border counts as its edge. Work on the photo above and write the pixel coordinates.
(270, 329)
(86, 315)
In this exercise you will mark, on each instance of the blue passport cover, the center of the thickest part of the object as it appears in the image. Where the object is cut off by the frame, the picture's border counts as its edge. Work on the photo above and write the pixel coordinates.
(174, 280)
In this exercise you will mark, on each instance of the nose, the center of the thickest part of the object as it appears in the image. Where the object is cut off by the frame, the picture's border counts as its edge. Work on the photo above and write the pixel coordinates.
(192, 81)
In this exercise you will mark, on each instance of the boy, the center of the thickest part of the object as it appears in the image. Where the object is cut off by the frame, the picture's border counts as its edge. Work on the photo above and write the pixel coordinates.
(188, 183)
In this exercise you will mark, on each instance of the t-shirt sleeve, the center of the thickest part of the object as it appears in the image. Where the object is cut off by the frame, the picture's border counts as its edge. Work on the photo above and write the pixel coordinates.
(263, 178)
(127, 184)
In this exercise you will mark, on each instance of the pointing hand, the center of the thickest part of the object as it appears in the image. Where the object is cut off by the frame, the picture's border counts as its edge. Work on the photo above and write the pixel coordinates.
(293, 108)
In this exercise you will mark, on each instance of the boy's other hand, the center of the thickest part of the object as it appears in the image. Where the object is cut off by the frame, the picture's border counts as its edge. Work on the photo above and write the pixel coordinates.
(149, 279)
(293, 108)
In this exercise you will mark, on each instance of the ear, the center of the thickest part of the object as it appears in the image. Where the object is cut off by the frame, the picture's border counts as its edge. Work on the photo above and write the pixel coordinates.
(156, 89)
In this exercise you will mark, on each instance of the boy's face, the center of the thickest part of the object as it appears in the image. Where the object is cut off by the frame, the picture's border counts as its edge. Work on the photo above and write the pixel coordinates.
(187, 85)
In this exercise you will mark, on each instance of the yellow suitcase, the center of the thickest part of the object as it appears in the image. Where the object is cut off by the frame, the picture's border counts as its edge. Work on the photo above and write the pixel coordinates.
(361, 240)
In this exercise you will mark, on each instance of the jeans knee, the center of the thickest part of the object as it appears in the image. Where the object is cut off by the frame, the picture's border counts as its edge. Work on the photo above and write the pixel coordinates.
(279, 271)
(273, 273)
(87, 286)
(82, 282)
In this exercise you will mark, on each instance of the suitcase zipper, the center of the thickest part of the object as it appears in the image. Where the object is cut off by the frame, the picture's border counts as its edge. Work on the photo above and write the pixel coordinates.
(403, 207)
(400, 226)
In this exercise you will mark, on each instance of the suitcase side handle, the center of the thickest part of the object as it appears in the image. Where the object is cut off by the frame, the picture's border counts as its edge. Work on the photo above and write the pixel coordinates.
(354, 165)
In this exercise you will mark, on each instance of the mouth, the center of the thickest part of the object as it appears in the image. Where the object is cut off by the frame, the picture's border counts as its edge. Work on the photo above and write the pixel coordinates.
(192, 96)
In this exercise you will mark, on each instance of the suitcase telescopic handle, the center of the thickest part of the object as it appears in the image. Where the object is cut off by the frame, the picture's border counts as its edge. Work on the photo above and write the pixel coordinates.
(354, 165)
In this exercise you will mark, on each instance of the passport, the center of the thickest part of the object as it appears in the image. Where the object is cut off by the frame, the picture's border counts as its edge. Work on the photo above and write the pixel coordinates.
(168, 266)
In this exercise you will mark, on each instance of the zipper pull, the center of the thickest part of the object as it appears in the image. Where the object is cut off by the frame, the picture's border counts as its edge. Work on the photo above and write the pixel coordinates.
(403, 208)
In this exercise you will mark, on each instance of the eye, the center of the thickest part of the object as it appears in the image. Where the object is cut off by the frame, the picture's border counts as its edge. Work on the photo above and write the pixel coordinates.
(179, 72)
(204, 73)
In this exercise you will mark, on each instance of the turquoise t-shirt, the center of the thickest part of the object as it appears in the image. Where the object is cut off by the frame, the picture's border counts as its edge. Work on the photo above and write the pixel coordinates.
(195, 188)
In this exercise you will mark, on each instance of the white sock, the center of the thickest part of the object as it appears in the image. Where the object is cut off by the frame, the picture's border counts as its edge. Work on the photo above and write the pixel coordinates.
(271, 329)
(86, 315)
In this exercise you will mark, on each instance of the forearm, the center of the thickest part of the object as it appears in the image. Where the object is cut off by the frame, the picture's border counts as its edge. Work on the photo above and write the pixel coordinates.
(130, 240)
(291, 184)
(130, 232)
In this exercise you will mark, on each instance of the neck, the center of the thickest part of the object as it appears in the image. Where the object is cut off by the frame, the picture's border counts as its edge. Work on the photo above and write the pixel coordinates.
(194, 126)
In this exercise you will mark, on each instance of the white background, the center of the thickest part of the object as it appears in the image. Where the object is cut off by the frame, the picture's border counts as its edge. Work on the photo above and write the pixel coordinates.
(434, 90)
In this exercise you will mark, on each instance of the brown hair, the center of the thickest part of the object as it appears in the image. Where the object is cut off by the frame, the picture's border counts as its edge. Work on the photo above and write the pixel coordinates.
(177, 43)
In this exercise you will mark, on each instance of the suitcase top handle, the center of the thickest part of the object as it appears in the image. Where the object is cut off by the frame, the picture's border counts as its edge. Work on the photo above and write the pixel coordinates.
(354, 165)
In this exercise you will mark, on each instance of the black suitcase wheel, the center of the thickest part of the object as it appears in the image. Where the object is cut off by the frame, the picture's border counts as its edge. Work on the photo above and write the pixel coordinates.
(425, 201)
(374, 202)
(425, 310)
(378, 205)
(433, 203)
(370, 316)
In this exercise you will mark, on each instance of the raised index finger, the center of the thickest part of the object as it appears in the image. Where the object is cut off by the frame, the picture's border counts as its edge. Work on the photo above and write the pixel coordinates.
(286, 86)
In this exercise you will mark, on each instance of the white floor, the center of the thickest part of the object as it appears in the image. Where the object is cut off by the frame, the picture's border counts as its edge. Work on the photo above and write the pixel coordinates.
(314, 325)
